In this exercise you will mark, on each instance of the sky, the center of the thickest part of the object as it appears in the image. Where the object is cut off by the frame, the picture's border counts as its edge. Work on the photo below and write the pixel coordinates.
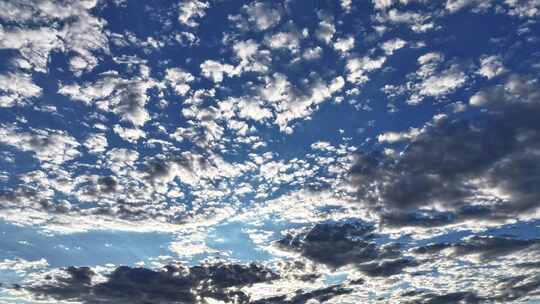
(265, 152)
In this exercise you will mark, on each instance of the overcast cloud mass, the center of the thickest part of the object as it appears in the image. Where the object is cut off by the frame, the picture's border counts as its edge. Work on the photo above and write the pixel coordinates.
(265, 152)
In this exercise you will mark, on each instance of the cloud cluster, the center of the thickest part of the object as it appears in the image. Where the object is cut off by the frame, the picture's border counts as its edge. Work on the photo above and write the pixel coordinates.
(173, 284)
(460, 169)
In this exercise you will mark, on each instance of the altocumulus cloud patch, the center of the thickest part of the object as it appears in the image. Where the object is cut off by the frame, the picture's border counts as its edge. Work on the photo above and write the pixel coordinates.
(210, 151)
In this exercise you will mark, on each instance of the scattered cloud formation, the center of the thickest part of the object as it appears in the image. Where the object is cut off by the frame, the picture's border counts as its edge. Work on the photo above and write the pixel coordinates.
(340, 151)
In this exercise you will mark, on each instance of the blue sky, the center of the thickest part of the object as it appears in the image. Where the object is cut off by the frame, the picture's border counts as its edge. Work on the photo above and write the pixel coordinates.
(219, 151)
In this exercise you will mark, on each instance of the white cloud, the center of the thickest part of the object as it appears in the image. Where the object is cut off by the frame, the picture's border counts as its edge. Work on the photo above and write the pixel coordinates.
(252, 58)
(313, 53)
(417, 22)
(252, 109)
(382, 4)
(288, 40)
(491, 66)
(358, 68)
(262, 15)
(81, 33)
(346, 5)
(49, 146)
(191, 9)
(131, 135)
(443, 83)
(179, 80)
(432, 79)
(524, 8)
(79, 64)
(22, 266)
(344, 44)
(390, 46)
(276, 88)
(479, 99)
(432, 57)
(394, 137)
(457, 5)
(120, 160)
(15, 89)
(34, 45)
(326, 31)
(301, 106)
(215, 70)
(245, 50)
(96, 143)
(124, 97)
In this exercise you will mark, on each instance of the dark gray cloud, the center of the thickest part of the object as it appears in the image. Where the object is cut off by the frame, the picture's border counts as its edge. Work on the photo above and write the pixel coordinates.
(339, 244)
(487, 247)
(507, 290)
(388, 267)
(465, 297)
(322, 295)
(486, 167)
(173, 284)
(107, 184)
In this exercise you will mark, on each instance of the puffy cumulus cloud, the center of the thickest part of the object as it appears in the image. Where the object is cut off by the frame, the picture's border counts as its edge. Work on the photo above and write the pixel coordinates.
(119, 160)
(284, 40)
(346, 5)
(523, 8)
(441, 84)
(430, 60)
(125, 97)
(262, 15)
(34, 45)
(209, 283)
(129, 134)
(215, 70)
(252, 57)
(301, 106)
(96, 143)
(416, 21)
(313, 53)
(359, 67)
(253, 110)
(457, 5)
(48, 146)
(190, 10)
(382, 4)
(519, 8)
(462, 169)
(179, 80)
(390, 46)
(130, 103)
(81, 32)
(326, 30)
(491, 66)
(79, 64)
(17, 89)
(433, 79)
(344, 45)
(190, 168)
(393, 137)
